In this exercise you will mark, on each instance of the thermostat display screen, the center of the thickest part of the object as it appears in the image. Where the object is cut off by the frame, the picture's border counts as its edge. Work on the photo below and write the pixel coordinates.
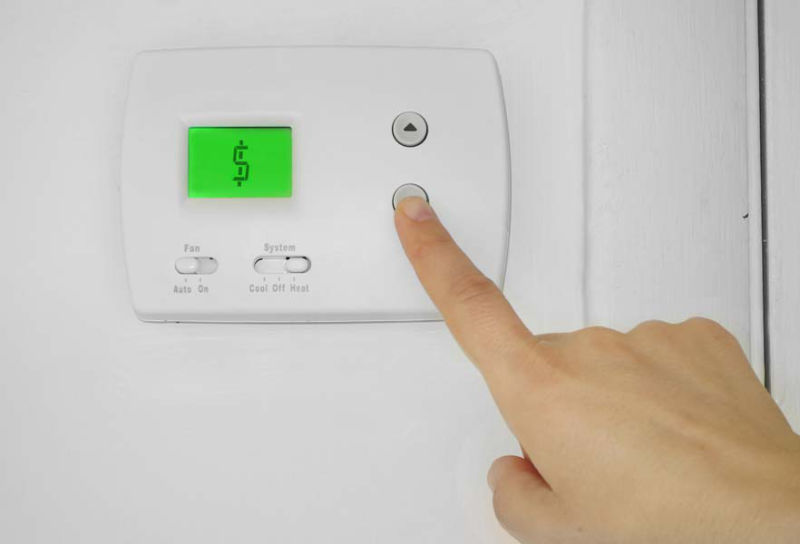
(240, 162)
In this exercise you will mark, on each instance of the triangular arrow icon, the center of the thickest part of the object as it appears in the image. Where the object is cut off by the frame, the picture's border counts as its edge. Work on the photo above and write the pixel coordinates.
(410, 128)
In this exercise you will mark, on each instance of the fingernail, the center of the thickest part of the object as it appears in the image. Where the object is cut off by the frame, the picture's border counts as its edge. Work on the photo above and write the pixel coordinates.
(416, 209)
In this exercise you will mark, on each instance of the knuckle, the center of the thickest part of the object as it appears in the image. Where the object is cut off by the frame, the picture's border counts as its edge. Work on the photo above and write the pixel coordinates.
(428, 248)
(551, 369)
(600, 336)
(471, 287)
(545, 354)
(653, 327)
(709, 328)
(702, 324)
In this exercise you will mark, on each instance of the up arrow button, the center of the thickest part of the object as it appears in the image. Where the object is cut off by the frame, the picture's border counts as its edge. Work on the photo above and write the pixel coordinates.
(410, 129)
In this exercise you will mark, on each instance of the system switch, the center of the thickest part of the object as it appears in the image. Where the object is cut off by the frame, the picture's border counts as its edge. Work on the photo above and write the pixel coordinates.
(282, 265)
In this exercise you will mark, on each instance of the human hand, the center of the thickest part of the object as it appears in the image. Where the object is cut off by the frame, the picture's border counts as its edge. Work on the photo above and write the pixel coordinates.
(662, 434)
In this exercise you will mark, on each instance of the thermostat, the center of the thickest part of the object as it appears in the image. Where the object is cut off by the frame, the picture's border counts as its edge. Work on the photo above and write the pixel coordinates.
(258, 184)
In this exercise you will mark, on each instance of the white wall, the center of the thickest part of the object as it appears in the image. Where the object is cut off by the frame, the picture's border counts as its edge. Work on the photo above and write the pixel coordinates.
(782, 70)
(112, 430)
(669, 149)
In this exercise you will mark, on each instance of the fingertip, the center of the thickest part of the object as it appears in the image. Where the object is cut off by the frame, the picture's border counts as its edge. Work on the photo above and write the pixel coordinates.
(416, 209)
(503, 467)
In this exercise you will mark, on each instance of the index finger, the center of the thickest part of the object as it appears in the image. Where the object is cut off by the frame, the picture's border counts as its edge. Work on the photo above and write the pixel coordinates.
(476, 312)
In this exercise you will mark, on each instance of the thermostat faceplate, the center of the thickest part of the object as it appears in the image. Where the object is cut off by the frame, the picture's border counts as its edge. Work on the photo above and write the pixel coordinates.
(296, 225)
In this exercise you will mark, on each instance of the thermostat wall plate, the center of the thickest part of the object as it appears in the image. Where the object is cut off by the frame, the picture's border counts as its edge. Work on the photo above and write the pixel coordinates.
(258, 184)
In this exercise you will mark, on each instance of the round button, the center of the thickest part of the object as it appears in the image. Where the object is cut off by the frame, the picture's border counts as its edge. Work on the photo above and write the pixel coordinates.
(408, 190)
(410, 129)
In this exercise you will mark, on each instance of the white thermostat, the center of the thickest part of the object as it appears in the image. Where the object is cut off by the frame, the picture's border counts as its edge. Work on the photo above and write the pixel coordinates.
(258, 184)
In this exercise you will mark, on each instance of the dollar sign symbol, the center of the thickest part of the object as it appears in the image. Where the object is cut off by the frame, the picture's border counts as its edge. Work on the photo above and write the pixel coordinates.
(242, 166)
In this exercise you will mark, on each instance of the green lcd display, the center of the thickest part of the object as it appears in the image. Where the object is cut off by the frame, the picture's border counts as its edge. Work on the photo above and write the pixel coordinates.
(240, 162)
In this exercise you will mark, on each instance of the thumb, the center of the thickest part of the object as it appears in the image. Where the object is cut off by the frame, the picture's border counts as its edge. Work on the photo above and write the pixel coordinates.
(523, 502)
